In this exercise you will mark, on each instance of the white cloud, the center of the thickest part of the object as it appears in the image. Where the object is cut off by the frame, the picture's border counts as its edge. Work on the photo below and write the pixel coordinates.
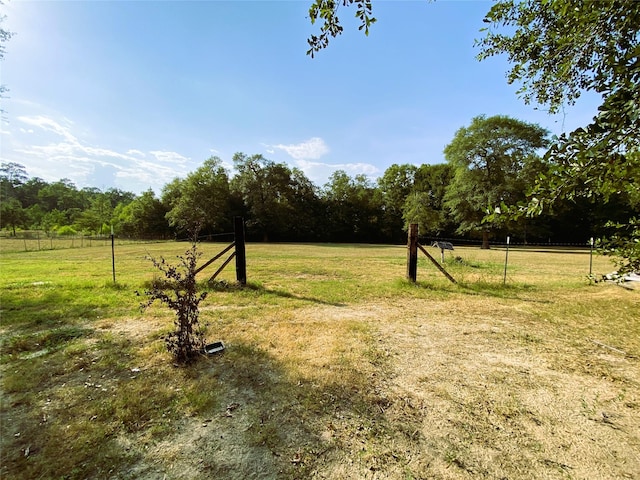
(351, 168)
(50, 125)
(54, 151)
(149, 173)
(311, 149)
(308, 152)
(319, 172)
(169, 157)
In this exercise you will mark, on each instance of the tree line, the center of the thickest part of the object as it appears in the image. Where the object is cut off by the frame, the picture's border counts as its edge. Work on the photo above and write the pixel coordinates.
(557, 50)
(492, 161)
(587, 182)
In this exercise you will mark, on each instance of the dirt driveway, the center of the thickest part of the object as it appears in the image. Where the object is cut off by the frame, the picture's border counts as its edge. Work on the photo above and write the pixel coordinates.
(482, 388)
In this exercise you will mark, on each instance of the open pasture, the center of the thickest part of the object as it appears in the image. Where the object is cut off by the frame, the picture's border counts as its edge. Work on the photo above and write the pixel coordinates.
(335, 367)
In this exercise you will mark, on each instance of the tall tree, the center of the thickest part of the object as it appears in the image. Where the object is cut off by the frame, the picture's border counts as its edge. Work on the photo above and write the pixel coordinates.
(27, 193)
(425, 204)
(62, 195)
(117, 196)
(52, 220)
(201, 200)
(12, 175)
(395, 185)
(308, 215)
(265, 187)
(144, 217)
(97, 217)
(559, 49)
(12, 215)
(489, 157)
(354, 208)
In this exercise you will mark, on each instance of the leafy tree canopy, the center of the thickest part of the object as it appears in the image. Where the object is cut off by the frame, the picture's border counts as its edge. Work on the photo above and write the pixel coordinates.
(199, 202)
(326, 11)
(424, 205)
(558, 49)
(489, 158)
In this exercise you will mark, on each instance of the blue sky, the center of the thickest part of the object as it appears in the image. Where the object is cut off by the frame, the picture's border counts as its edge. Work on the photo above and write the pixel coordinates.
(133, 94)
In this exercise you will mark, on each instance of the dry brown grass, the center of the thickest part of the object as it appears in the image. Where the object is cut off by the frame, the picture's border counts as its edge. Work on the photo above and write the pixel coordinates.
(337, 368)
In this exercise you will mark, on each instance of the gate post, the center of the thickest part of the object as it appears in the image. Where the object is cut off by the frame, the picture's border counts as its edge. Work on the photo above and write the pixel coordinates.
(412, 253)
(241, 259)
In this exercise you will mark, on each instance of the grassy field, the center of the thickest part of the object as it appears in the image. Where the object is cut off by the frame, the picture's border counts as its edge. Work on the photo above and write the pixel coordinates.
(335, 367)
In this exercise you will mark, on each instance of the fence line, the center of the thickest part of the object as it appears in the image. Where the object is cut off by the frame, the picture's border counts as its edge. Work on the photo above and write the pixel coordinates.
(201, 238)
(30, 241)
(500, 242)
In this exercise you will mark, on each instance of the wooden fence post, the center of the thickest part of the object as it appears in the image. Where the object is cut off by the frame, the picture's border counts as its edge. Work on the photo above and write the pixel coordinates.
(412, 253)
(241, 259)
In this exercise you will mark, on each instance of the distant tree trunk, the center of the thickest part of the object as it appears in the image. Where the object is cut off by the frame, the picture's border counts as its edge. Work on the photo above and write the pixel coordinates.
(485, 240)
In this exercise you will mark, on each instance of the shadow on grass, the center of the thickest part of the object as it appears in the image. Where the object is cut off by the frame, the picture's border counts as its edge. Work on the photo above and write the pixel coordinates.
(49, 340)
(273, 423)
(223, 286)
(63, 414)
(49, 307)
(508, 291)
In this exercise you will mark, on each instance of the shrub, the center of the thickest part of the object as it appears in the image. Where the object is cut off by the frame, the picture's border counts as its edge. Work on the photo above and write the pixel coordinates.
(179, 293)
(66, 230)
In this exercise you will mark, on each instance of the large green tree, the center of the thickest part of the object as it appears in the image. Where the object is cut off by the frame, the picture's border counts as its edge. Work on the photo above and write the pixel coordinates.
(62, 195)
(489, 158)
(395, 185)
(144, 217)
(354, 208)
(27, 193)
(559, 49)
(266, 191)
(12, 175)
(425, 204)
(200, 201)
(12, 213)
(307, 221)
(97, 217)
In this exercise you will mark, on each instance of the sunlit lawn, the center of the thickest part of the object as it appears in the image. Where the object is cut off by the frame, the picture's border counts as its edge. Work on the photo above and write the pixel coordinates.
(317, 334)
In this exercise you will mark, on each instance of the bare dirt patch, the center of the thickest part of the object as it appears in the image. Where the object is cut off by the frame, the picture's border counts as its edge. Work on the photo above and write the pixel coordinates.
(418, 389)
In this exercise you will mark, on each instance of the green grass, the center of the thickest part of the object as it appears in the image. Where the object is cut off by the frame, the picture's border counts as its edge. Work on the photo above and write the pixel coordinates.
(334, 364)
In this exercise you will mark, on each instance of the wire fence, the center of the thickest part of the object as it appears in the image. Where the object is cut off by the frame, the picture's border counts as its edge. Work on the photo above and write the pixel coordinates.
(212, 237)
(34, 240)
(28, 241)
(467, 242)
